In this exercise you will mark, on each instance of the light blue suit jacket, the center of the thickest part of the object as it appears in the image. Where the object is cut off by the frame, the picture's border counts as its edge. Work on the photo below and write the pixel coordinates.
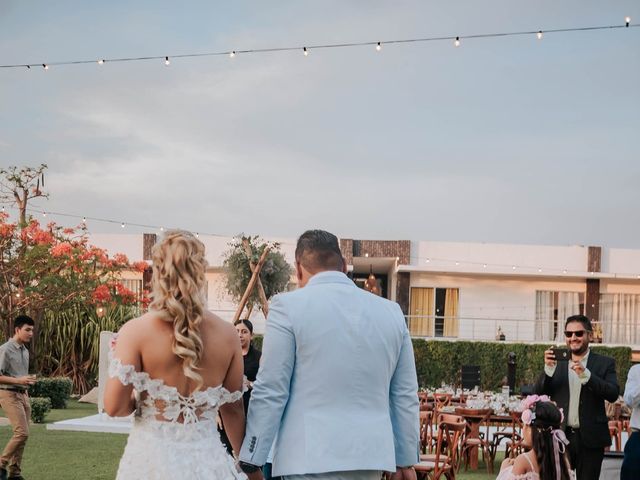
(337, 383)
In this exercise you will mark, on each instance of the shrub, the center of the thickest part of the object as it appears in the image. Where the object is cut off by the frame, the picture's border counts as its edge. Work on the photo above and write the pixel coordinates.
(56, 389)
(40, 406)
(441, 361)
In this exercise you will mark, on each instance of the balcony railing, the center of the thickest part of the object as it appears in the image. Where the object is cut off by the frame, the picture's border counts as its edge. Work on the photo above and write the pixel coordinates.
(514, 330)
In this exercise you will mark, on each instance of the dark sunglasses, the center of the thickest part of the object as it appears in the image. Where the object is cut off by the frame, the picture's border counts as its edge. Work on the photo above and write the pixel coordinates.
(578, 334)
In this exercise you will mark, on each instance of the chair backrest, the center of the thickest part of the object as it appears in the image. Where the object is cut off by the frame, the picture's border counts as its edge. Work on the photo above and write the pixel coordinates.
(450, 431)
(442, 400)
(426, 430)
(480, 415)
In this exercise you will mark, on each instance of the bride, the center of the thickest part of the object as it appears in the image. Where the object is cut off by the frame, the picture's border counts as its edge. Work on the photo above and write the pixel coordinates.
(184, 363)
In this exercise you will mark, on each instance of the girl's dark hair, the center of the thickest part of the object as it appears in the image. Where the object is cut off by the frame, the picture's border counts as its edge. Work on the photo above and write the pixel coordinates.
(246, 322)
(548, 418)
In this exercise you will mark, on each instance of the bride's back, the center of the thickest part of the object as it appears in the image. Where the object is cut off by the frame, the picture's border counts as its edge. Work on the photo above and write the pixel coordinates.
(156, 337)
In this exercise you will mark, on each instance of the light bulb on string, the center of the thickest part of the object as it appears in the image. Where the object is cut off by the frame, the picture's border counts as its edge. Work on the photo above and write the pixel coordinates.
(84, 219)
(232, 54)
(564, 271)
(379, 46)
(44, 214)
(197, 235)
(45, 66)
(539, 35)
(305, 51)
(28, 67)
(122, 225)
(427, 260)
(457, 42)
(167, 62)
(484, 265)
(627, 21)
(513, 268)
(101, 61)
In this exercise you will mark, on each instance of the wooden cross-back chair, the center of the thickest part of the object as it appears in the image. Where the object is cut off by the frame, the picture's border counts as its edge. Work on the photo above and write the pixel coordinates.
(445, 460)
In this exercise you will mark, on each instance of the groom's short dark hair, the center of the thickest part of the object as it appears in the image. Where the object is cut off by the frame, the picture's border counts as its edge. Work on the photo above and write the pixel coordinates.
(318, 250)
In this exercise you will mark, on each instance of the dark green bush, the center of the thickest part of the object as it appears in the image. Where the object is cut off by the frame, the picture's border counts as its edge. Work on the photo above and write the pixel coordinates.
(440, 361)
(40, 406)
(57, 389)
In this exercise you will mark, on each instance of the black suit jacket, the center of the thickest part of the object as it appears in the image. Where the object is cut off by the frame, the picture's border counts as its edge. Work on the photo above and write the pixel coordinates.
(603, 385)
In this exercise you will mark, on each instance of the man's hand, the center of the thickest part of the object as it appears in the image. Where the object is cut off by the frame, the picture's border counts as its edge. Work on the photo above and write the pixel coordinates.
(26, 380)
(404, 473)
(549, 358)
(257, 475)
(577, 367)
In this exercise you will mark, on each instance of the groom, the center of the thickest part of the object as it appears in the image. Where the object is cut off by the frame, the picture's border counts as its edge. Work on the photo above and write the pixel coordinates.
(337, 383)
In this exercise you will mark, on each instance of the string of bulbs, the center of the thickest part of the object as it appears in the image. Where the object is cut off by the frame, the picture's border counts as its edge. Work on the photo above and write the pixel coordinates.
(456, 39)
(434, 262)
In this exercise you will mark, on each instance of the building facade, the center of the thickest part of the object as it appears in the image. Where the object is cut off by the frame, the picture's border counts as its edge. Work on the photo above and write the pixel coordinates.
(462, 290)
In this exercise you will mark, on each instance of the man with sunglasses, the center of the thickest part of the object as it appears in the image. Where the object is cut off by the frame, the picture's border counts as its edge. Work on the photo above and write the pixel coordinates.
(580, 386)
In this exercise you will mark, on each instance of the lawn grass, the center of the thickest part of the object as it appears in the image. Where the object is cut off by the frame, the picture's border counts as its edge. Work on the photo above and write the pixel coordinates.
(52, 454)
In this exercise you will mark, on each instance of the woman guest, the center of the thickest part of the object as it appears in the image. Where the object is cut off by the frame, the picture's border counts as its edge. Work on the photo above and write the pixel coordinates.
(251, 356)
(541, 431)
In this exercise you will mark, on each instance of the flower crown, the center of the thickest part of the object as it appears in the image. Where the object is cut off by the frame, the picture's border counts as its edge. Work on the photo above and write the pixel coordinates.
(528, 406)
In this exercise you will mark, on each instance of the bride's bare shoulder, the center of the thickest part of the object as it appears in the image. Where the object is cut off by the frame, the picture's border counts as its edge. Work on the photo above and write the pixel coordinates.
(217, 325)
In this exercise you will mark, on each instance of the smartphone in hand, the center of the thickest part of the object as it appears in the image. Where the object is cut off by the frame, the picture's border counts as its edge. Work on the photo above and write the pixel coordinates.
(561, 354)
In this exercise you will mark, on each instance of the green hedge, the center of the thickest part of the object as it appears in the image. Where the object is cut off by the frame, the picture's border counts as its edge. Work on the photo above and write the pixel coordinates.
(440, 361)
(57, 389)
(40, 406)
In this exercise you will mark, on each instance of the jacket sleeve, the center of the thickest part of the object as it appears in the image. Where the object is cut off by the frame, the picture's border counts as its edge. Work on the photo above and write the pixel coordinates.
(403, 404)
(606, 386)
(632, 388)
(543, 385)
(271, 388)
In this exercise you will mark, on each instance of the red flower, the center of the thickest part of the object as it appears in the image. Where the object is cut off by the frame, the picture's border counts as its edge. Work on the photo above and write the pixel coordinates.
(120, 259)
(140, 266)
(6, 230)
(68, 231)
(61, 249)
(126, 295)
(101, 294)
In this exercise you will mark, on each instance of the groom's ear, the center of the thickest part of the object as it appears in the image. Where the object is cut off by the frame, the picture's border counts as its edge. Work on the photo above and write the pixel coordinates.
(298, 271)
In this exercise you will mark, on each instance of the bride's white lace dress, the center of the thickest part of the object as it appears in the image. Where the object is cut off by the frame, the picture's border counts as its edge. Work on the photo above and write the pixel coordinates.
(173, 436)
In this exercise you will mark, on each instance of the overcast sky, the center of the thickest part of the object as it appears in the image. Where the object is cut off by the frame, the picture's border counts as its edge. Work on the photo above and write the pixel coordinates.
(500, 140)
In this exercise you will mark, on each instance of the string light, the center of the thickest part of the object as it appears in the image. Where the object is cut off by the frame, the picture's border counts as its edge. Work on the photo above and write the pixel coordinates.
(379, 46)
(306, 49)
(167, 62)
(45, 66)
(428, 260)
(539, 35)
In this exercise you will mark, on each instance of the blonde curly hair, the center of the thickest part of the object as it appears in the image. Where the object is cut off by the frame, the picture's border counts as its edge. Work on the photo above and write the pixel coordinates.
(178, 284)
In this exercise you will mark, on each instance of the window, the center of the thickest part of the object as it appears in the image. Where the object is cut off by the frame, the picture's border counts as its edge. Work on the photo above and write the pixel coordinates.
(552, 309)
(620, 318)
(433, 312)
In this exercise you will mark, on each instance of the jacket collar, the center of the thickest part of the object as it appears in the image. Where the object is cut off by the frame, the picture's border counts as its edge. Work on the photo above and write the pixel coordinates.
(330, 277)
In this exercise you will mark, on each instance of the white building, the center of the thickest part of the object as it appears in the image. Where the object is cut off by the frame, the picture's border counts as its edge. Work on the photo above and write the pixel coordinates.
(464, 290)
